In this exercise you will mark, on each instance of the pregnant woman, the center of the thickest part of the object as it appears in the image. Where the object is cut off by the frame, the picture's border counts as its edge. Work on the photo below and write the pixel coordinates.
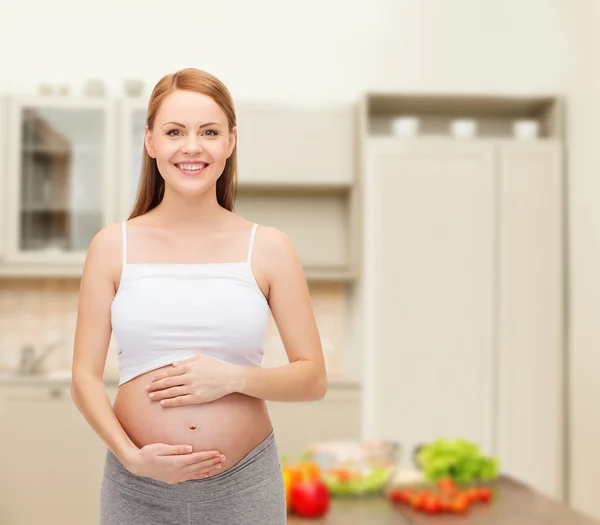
(186, 286)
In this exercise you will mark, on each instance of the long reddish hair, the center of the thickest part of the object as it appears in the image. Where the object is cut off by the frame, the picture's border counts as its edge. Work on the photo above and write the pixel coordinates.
(151, 187)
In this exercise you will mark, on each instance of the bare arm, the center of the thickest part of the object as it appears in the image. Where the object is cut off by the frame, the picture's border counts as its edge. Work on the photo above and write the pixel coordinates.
(92, 338)
(305, 377)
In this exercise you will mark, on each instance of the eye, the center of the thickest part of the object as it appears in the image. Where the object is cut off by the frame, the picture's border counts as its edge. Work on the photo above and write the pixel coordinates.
(214, 133)
(171, 131)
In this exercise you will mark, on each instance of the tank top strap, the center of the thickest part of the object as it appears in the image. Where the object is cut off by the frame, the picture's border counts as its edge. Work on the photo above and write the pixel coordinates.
(124, 241)
(251, 243)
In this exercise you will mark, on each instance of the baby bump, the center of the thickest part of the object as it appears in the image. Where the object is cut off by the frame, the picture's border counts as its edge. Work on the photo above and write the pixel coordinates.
(233, 424)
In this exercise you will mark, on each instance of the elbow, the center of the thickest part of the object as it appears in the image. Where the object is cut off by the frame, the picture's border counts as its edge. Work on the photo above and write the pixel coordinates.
(320, 389)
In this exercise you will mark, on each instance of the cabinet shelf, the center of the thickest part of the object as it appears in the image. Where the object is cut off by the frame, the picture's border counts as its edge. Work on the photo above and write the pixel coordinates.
(494, 115)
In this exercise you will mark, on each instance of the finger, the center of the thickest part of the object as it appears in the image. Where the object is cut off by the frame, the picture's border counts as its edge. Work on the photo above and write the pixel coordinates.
(171, 450)
(203, 466)
(203, 474)
(166, 382)
(168, 393)
(196, 458)
(167, 372)
(179, 401)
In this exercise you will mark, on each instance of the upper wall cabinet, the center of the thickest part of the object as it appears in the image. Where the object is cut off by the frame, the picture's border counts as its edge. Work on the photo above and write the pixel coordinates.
(295, 145)
(132, 122)
(60, 191)
(73, 168)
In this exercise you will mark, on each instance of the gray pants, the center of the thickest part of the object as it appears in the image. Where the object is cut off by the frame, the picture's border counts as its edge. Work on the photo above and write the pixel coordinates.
(251, 492)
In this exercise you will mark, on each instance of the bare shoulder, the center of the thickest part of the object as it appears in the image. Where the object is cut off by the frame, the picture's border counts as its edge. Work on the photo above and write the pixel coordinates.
(105, 252)
(275, 259)
(107, 242)
(273, 243)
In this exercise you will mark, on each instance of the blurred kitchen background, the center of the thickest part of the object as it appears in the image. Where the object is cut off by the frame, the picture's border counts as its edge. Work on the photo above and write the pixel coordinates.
(435, 162)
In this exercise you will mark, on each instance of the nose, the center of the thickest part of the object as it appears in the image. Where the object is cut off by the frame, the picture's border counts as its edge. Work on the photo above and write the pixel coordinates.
(192, 145)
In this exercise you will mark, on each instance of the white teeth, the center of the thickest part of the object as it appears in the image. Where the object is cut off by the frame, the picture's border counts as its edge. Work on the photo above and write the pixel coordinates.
(191, 167)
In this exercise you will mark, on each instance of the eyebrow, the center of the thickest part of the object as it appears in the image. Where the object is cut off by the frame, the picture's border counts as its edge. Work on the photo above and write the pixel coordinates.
(183, 125)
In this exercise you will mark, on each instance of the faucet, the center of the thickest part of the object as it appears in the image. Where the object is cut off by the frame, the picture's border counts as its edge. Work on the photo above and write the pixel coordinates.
(30, 363)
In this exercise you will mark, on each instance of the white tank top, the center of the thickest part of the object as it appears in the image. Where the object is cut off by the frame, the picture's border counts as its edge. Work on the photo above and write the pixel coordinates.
(163, 313)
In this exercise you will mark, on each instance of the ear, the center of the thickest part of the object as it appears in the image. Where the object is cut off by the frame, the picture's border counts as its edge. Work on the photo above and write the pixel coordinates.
(232, 141)
(148, 143)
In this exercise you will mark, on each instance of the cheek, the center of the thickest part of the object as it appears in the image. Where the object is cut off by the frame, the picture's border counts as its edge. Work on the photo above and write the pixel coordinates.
(217, 150)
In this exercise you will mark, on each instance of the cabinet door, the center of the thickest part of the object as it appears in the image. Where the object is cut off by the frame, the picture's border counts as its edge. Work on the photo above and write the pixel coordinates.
(429, 290)
(530, 331)
(317, 223)
(335, 418)
(60, 177)
(132, 122)
(280, 144)
(52, 461)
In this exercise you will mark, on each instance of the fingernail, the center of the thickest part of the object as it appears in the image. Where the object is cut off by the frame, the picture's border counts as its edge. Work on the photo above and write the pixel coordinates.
(188, 449)
(217, 455)
(223, 458)
(218, 466)
(152, 378)
(152, 395)
(147, 387)
(162, 402)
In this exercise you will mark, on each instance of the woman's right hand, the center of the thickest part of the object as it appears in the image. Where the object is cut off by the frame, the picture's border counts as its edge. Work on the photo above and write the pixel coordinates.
(174, 463)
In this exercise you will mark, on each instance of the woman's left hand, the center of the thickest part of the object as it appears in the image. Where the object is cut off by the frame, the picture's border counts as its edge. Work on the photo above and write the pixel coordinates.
(199, 379)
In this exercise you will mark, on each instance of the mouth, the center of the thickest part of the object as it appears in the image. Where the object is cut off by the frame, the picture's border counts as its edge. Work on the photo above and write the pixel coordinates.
(189, 168)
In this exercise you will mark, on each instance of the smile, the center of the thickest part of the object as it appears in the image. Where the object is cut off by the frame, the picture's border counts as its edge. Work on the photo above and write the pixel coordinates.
(191, 169)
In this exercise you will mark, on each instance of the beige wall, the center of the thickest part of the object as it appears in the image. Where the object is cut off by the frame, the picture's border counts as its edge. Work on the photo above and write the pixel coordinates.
(583, 120)
(285, 50)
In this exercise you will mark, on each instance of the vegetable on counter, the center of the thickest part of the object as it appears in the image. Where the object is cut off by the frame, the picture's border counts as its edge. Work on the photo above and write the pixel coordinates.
(456, 459)
(306, 493)
(444, 497)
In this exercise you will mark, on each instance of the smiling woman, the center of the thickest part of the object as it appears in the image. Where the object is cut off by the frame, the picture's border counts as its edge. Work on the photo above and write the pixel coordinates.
(186, 286)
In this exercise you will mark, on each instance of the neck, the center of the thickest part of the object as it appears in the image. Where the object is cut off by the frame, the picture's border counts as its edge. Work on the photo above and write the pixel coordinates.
(176, 209)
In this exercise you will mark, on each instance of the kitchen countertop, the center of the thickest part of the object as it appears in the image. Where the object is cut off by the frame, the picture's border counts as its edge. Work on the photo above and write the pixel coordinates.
(61, 377)
(514, 504)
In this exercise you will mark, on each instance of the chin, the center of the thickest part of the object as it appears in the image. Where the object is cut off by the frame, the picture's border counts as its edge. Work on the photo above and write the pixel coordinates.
(192, 191)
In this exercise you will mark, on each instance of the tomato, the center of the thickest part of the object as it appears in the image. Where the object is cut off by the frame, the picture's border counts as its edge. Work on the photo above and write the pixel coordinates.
(396, 495)
(446, 485)
(484, 494)
(460, 504)
(472, 494)
(432, 505)
(418, 500)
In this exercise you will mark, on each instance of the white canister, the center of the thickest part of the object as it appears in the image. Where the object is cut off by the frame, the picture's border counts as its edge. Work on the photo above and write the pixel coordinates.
(463, 128)
(406, 126)
(526, 129)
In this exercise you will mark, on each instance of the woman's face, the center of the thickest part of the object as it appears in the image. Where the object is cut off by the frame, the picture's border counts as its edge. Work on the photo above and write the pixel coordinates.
(190, 141)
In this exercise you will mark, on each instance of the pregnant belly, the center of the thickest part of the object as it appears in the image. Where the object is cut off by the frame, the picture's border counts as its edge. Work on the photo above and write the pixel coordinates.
(232, 425)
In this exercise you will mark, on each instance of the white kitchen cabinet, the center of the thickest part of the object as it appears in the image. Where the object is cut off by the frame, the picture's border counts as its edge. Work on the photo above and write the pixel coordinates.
(429, 282)
(335, 418)
(51, 454)
(52, 461)
(463, 311)
(464, 303)
(60, 186)
(132, 122)
(530, 325)
(296, 145)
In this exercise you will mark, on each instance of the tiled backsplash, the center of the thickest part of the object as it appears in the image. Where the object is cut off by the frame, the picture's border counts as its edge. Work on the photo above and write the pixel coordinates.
(38, 312)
